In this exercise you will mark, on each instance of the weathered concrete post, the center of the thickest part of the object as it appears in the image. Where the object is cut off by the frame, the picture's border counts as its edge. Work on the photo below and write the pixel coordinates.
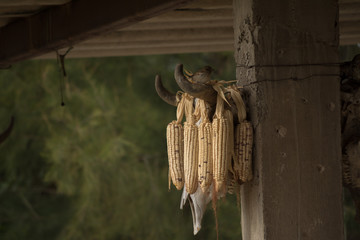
(284, 50)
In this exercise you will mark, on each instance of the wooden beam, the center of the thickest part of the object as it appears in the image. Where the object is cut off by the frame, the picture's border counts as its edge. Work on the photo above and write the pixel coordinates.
(349, 17)
(156, 44)
(162, 35)
(71, 23)
(210, 4)
(284, 51)
(194, 15)
(350, 39)
(92, 53)
(349, 7)
(195, 24)
(350, 27)
(11, 3)
(3, 22)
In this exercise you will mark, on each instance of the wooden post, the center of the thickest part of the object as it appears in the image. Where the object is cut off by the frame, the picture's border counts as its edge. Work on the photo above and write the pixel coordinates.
(284, 52)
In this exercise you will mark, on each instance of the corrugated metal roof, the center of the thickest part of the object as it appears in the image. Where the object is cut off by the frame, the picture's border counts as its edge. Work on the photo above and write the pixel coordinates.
(201, 26)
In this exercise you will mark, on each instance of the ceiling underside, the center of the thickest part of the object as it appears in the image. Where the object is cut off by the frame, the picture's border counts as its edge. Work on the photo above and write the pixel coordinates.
(200, 26)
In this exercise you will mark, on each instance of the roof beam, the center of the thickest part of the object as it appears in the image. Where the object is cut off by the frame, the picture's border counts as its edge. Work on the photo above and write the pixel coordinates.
(32, 2)
(191, 24)
(164, 35)
(71, 23)
(92, 53)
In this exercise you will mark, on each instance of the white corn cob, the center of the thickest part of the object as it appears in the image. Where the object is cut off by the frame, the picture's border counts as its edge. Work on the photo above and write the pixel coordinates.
(205, 155)
(175, 146)
(222, 142)
(220, 151)
(191, 147)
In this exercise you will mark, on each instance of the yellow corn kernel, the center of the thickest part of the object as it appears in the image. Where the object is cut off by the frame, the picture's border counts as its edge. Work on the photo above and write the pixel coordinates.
(175, 147)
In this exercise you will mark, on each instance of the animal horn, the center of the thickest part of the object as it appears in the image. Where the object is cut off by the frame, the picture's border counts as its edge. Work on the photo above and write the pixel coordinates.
(7, 132)
(197, 90)
(163, 93)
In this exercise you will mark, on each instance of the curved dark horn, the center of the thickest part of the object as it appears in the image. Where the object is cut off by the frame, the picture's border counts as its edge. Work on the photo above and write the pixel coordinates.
(198, 90)
(7, 132)
(163, 93)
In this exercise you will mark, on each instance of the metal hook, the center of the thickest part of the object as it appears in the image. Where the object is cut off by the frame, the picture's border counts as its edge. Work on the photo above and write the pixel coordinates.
(61, 62)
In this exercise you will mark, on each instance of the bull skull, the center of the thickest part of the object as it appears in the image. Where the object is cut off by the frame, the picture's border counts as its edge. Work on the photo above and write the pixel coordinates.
(193, 86)
(196, 86)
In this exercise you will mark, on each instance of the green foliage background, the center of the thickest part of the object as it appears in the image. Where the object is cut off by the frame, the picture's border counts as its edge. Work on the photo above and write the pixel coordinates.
(97, 168)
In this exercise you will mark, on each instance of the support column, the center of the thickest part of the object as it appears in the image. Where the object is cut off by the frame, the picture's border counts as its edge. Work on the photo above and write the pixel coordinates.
(284, 50)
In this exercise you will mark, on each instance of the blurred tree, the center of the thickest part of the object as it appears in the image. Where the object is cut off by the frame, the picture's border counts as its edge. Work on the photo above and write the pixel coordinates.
(97, 167)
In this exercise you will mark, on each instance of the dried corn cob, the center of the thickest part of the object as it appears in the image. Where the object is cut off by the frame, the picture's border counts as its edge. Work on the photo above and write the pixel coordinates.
(243, 151)
(221, 153)
(243, 141)
(174, 135)
(191, 147)
(175, 147)
(205, 149)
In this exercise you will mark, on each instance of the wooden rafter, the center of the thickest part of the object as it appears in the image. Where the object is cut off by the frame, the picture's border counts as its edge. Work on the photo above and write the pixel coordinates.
(71, 23)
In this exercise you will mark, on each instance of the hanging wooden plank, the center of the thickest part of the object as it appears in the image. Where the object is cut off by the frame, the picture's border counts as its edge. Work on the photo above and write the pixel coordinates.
(284, 62)
(71, 23)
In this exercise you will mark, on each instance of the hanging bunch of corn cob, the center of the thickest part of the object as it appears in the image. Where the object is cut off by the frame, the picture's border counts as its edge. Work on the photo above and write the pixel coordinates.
(207, 154)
